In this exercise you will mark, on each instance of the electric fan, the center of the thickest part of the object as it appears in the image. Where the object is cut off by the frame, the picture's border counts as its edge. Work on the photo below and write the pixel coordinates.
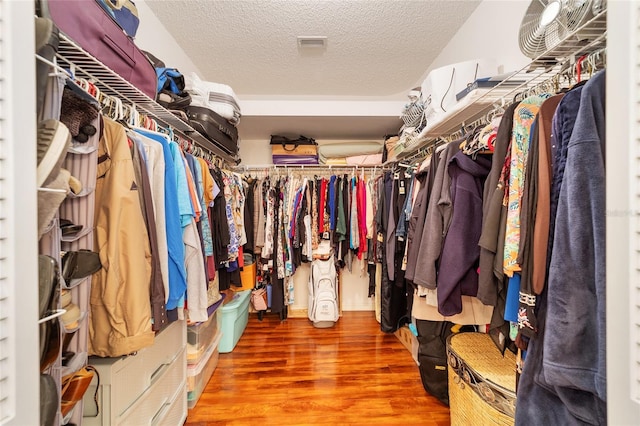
(547, 23)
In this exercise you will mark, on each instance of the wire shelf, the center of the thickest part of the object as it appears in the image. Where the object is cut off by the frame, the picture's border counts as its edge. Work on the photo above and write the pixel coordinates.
(590, 37)
(84, 65)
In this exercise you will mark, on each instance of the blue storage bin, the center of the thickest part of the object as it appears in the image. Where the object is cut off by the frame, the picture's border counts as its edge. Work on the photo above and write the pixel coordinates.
(235, 316)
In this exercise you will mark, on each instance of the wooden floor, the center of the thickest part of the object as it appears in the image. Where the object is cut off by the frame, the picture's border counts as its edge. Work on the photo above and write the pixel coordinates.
(290, 373)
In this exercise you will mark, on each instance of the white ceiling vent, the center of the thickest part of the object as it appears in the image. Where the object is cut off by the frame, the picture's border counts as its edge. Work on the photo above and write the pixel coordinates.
(314, 42)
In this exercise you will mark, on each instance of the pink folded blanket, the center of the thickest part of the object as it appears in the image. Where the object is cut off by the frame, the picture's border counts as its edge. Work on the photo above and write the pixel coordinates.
(365, 160)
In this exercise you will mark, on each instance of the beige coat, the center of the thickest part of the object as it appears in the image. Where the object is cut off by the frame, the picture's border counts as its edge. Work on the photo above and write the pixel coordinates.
(120, 316)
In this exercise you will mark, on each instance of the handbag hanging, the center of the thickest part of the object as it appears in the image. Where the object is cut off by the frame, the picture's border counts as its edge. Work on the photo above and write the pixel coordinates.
(259, 298)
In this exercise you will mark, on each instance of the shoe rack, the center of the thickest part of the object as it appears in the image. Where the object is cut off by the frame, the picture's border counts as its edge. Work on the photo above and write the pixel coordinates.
(78, 209)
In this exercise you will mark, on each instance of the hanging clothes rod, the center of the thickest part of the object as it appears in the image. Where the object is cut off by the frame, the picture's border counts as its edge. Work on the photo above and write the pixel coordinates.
(310, 170)
(307, 167)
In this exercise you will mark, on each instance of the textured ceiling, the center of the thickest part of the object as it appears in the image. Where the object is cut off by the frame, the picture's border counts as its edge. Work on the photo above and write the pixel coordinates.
(375, 47)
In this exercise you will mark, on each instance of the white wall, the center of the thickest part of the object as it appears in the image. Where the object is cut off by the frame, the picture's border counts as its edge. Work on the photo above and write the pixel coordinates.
(490, 32)
(354, 289)
(153, 37)
(255, 152)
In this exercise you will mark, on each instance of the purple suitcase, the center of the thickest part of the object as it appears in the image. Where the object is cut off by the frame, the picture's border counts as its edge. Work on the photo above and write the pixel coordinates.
(87, 24)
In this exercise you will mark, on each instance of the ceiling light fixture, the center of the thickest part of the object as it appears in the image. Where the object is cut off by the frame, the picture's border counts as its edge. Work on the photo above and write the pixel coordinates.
(312, 41)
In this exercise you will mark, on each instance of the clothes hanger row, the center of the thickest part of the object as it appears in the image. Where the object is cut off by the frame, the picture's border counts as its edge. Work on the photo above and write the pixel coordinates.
(571, 72)
(127, 114)
(311, 170)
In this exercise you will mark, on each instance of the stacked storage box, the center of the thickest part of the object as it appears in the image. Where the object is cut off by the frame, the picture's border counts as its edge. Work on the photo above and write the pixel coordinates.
(234, 318)
(202, 355)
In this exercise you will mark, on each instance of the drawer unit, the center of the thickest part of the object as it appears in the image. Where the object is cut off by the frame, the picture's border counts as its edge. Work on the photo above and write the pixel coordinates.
(176, 413)
(235, 316)
(124, 380)
(161, 393)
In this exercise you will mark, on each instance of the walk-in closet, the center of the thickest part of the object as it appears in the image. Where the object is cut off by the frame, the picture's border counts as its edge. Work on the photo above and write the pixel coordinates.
(219, 212)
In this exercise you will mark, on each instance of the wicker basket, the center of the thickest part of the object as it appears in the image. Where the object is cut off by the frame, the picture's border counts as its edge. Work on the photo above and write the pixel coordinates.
(481, 381)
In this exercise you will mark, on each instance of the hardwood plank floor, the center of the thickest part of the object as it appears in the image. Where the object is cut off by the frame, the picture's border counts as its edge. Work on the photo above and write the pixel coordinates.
(291, 373)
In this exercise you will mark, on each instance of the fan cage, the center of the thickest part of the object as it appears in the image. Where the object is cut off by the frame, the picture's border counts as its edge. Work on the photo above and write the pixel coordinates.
(536, 39)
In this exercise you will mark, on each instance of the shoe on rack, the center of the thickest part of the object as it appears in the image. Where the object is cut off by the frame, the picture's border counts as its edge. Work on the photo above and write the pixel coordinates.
(80, 264)
(74, 387)
(48, 400)
(75, 185)
(48, 288)
(69, 229)
(50, 343)
(65, 298)
(71, 317)
(49, 199)
(47, 42)
(53, 142)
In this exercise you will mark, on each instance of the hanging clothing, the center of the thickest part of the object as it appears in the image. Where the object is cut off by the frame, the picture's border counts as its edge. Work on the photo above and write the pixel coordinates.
(559, 373)
(157, 300)
(492, 288)
(543, 204)
(156, 173)
(524, 115)
(277, 276)
(535, 197)
(580, 234)
(177, 272)
(354, 228)
(361, 196)
(234, 237)
(250, 215)
(405, 211)
(562, 127)
(460, 252)
(260, 209)
(220, 230)
(439, 212)
(194, 261)
(387, 324)
(117, 324)
(416, 223)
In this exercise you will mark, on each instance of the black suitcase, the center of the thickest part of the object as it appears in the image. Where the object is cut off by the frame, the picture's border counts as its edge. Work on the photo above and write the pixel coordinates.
(214, 127)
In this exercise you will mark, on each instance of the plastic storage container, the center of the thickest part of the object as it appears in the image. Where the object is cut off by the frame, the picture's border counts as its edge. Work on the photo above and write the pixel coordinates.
(247, 277)
(200, 336)
(235, 316)
(198, 375)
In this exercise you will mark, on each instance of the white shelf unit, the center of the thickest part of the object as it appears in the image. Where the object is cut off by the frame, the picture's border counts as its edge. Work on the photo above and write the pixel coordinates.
(478, 103)
(82, 64)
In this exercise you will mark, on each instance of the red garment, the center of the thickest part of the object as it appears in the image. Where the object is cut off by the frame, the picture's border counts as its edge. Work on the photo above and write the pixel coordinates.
(322, 206)
(361, 196)
(211, 267)
(240, 257)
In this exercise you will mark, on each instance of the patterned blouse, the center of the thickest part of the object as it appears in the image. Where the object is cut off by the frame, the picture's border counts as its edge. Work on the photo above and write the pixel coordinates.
(523, 118)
